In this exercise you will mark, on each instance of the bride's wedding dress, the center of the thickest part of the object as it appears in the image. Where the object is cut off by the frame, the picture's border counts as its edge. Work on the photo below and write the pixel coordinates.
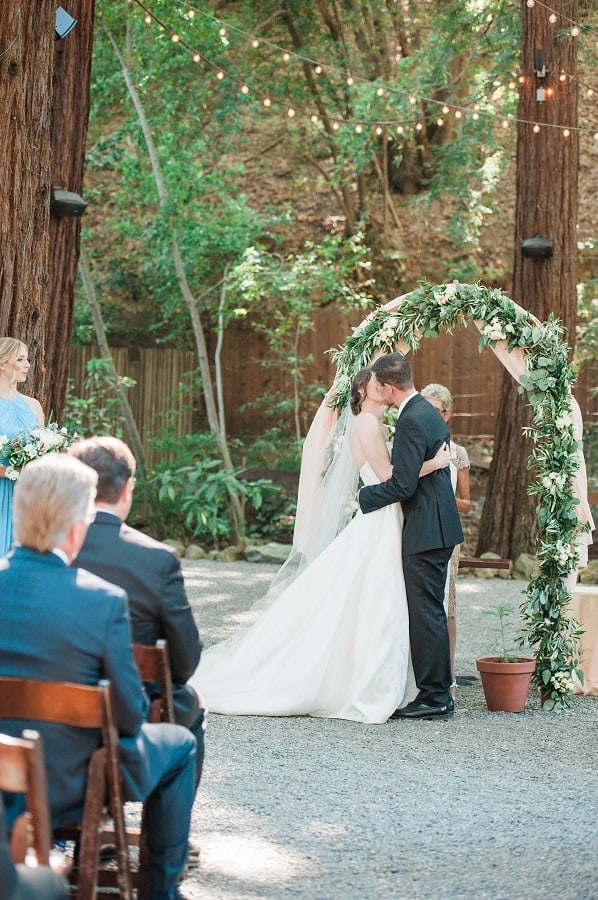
(334, 643)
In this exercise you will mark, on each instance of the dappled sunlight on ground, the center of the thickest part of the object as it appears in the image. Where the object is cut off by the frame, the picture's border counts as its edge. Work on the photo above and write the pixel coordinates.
(251, 858)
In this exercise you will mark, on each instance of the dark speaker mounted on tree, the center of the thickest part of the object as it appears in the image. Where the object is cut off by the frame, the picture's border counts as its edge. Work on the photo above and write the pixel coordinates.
(66, 203)
(538, 247)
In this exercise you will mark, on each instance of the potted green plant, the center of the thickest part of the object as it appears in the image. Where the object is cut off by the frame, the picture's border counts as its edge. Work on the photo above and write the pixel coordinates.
(506, 677)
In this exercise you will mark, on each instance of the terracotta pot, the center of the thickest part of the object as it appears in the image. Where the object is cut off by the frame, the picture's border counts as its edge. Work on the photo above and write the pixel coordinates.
(505, 684)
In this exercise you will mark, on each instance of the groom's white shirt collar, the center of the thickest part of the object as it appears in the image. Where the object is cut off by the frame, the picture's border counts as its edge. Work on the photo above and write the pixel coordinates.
(406, 401)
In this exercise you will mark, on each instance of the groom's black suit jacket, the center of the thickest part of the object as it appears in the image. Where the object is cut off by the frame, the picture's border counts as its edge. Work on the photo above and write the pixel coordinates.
(429, 508)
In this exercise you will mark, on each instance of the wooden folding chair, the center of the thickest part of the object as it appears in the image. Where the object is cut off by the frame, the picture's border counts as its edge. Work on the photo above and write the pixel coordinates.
(22, 771)
(81, 706)
(154, 668)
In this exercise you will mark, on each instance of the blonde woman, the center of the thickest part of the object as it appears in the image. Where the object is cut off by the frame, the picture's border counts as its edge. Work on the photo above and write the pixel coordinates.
(17, 413)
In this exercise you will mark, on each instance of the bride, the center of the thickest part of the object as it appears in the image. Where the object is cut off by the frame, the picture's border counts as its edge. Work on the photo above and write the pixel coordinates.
(333, 640)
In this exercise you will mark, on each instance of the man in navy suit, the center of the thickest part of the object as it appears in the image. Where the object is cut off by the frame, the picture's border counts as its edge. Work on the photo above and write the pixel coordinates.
(59, 623)
(431, 529)
(150, 573)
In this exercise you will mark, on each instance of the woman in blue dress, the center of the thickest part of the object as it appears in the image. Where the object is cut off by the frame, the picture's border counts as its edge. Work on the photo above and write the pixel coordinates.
(17, 413)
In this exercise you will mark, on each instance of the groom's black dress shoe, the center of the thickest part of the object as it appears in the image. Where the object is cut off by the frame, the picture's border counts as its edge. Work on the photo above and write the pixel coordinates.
(419, 710)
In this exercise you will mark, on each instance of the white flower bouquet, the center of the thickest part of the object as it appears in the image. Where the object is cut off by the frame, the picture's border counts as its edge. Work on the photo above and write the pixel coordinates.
(16, 452)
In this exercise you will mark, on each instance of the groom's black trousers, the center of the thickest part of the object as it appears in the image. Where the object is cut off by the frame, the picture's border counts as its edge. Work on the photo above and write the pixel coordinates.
(425, 579)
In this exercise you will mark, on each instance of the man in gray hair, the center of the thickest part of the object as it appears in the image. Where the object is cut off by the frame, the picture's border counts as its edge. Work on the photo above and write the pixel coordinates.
(59, 623)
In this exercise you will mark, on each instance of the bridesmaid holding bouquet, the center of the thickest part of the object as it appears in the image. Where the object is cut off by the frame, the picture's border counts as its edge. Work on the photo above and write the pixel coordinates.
(17, 413)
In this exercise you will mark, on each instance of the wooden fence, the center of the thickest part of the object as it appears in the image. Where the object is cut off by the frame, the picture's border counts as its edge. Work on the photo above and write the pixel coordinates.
(164, 379)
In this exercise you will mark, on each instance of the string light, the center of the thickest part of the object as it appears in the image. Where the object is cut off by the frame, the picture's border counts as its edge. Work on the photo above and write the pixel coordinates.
(552, 18)
(334, 124)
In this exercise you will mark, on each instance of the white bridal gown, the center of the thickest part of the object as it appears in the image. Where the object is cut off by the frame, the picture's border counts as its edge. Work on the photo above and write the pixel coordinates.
(334, 644)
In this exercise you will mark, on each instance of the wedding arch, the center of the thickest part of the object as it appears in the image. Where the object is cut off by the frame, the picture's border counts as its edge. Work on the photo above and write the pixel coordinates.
(536, 356)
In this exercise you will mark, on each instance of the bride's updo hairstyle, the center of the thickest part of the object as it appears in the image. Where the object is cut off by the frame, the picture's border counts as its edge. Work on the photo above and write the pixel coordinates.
(358, 390)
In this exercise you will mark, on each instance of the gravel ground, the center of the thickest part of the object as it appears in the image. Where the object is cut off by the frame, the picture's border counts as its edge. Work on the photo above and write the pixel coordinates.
(487, 805)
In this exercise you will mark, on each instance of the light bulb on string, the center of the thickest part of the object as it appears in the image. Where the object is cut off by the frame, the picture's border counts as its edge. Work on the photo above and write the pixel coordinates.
(148, 20)
(531, 3)
(505, 123)
(174, 38)
(358, 129)
(445, 110)
(590, 92)
(552, 18)
(378, 130)
(562, 77)
(350, 81)
(267, 101)
(458, 114)
(255, 43)
(190, 13)
(290, 112)
(335, 126)
(575, 31)
(412, 100)
(286, 56)
(419, 126)
(244, 89)
(318, 70)
(380, 91)
(440, 122)
(400, 129)
(196, 57)
(314, 118)
(566, 132)
(222, 32)
(536, 128)
(219, 75)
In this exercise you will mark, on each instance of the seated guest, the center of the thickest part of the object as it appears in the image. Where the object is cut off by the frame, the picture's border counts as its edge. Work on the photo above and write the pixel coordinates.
(150, 573)
(23, 882)
(59, 623)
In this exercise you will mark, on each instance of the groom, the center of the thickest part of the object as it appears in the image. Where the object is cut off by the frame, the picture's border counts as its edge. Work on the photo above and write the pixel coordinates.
(431, 529)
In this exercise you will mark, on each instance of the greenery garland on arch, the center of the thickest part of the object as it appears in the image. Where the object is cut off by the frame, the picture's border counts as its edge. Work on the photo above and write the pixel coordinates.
(547, 383)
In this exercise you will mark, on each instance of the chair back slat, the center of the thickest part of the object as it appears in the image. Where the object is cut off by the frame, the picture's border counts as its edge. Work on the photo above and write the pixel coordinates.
(153, 664)
(79, 705)
(22, 771)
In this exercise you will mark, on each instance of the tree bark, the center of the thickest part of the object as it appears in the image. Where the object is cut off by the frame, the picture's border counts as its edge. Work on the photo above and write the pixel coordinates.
(70, 116)
(26, 62)
(546, 203)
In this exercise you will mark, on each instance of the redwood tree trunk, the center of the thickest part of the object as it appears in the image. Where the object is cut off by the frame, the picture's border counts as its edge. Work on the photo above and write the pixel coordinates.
(26, 60)
(546, 203)
(70, 115)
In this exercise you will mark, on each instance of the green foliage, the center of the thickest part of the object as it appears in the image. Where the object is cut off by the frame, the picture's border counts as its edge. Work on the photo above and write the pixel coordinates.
(197, 498)
(586, 348)
(99, 410)
(547, 383)
(187, 494)
(502, 645)
(288, 291)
